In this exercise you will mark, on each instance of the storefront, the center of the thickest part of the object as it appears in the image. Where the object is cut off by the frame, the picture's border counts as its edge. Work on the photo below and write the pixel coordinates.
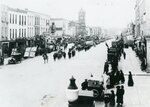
(5, 48)
(141, 51)
(148, 54)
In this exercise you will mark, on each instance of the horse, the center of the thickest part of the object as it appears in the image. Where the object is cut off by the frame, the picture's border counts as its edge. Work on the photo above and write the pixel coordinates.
(45, 57)
(65, 46)
(73, 53)
(69, 54)
(64, 54)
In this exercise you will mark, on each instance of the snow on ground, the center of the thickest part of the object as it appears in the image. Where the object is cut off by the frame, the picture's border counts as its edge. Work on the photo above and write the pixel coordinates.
(131, 63)
(35, 84)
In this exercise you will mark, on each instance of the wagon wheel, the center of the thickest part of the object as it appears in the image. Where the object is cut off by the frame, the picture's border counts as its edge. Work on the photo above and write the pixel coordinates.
(96, 93)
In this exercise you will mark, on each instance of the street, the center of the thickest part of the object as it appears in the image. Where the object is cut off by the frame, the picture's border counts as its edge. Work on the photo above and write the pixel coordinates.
(26, 84)
(35, 84)
(50, 55)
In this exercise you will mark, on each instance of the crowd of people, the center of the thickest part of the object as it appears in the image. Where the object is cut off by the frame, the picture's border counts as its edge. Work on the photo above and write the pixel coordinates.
(116, 80)
(61, 51)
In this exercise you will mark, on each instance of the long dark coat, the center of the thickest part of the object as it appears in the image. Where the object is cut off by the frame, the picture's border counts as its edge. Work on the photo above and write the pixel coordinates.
(112, 99)
(130, 80)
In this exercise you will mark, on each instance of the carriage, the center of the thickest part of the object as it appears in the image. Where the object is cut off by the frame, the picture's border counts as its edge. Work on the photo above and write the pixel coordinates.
(16, 58)
(95, 85)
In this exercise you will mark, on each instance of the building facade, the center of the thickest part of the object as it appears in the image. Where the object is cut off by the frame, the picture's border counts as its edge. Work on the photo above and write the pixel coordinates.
(61, 26)
(142, 18)
(30, 24)
(94, 31)
(38, 23)
(44, 24)
(72, 28)
(4, 22)
(81, 22)
(0, 21)
(17, 27)
(88, 31)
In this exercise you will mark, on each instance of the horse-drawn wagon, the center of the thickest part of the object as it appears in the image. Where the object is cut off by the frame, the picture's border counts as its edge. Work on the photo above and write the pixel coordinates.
(96, 85)
(16, 58)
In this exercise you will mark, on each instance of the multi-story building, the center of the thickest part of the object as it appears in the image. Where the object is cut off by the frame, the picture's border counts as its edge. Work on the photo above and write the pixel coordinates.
(17, 23)
(96, 31)
(30, 24)
(142, 18)
(17, 27)
(88, 31)
(44, 24)
(4, 22)
(38, 23)
(81, 22)
(142, 30)
(61, 26)
(130, 30)
(0, 20)
(72, 28)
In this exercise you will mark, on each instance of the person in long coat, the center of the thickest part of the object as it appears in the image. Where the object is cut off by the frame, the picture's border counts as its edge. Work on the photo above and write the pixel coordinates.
(117, 77)
(112, 99)
(106, 67)
(118, 94)
(130, 79)
(69, 54)
(124, 55)
(122, 91)
(84, 85)
(106, 100)
(122, 78)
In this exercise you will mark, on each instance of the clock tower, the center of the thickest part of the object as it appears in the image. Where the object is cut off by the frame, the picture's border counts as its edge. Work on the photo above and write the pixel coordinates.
(81, 22)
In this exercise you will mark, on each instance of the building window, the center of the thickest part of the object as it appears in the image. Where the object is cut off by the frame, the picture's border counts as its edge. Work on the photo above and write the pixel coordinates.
(16, 19)
(2, 31)
(28, 32)
(25, 20)
(13, 19)
(32, 32)
(13, 33)
(35, 21)
(22, 32)
(19, 32)
(10, 33)
(10, 18)
(31, 20)
(5, 31)
(19, 19)
(16, 33)
(22, 20)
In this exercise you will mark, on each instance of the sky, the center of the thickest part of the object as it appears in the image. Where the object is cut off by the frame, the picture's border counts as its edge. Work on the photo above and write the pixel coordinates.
(104, 13)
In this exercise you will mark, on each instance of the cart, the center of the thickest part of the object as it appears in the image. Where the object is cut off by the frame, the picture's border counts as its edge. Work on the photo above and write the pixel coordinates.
(97, 86)
(16, 58)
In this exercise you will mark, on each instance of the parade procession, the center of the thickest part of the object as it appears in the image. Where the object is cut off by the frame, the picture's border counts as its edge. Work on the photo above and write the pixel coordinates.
(74, 53)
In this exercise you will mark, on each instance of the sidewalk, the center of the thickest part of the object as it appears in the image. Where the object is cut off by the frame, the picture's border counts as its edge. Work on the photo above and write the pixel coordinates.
(139, 94)
(131, 63)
